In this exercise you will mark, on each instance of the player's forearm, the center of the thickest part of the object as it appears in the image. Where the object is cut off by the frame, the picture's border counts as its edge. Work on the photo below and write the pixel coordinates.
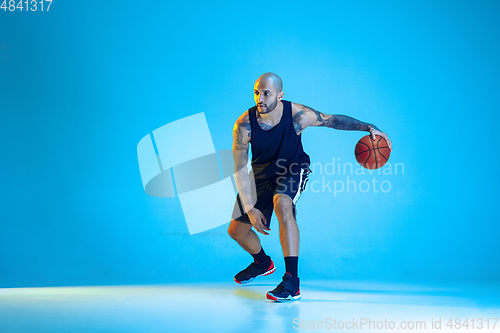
(244, 188)
(346, 123)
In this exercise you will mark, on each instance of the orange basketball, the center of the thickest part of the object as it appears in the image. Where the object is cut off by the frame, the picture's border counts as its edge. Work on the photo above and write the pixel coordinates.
(372, 154)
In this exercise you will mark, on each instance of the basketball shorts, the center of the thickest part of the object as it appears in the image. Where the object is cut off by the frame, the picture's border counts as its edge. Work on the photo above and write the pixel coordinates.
(293, 183)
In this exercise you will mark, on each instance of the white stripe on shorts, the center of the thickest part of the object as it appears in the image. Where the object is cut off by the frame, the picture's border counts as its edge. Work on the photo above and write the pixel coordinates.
(300, 189)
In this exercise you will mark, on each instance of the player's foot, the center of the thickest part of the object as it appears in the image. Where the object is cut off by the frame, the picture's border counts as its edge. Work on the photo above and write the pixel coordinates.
(287, 290)
(251, 272)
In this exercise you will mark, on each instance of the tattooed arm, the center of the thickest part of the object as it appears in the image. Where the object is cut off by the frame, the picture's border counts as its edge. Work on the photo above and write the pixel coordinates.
(304, 116)
(241, 139)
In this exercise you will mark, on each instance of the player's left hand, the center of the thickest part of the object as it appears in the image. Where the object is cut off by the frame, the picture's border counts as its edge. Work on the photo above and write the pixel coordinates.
(373, 132)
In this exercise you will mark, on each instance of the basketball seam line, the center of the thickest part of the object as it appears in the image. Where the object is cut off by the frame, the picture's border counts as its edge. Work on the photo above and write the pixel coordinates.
(369, 153)
(373, 146)
(378, 142)
(370, 149)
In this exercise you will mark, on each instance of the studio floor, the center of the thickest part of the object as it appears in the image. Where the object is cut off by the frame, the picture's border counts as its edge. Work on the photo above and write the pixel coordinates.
(227, 307)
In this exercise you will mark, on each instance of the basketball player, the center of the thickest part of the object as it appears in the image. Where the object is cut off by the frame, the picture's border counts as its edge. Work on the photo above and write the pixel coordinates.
(280, 168)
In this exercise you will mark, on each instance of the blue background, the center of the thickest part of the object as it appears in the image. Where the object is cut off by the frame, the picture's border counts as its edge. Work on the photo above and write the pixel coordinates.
(80, 85)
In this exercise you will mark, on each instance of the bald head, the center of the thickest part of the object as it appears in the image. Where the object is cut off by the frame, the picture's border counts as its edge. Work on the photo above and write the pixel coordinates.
(268, 92)
(271, 77)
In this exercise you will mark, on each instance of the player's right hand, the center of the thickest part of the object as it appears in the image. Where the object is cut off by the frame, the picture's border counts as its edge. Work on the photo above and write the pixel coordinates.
(258, 221)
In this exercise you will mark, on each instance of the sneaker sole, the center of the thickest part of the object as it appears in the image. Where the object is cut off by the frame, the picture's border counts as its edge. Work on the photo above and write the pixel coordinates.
(281, 299)
(251, 279)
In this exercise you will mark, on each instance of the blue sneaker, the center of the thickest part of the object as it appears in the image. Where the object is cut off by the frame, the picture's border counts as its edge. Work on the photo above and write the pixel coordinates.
(287, 290)
(251, 272)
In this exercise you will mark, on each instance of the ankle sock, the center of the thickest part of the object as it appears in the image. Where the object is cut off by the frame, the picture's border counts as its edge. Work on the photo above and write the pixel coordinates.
(260, 257)
(291, 264)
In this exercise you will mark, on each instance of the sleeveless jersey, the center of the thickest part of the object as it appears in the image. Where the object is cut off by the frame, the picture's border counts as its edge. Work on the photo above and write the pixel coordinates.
(274, 150)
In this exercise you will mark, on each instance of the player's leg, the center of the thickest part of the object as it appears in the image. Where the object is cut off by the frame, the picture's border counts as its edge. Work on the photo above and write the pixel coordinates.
(286, 195)
(263, 265)
(289, 231)
(240, 228)
(241, 231)
(289, 288)
(243, 234)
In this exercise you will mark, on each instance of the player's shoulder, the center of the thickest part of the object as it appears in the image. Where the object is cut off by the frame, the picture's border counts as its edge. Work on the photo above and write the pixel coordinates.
(303, 110)
(243, 120)
(296, 108)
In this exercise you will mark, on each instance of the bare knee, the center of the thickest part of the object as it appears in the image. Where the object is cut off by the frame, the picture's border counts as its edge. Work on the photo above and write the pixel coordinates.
(231, 230)
(237, 230)
(283, 206)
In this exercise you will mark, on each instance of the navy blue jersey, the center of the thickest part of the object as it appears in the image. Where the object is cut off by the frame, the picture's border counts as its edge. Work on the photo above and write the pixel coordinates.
(275, 150)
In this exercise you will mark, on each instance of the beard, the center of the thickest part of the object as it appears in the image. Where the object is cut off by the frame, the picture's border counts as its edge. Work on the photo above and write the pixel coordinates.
(270, 107)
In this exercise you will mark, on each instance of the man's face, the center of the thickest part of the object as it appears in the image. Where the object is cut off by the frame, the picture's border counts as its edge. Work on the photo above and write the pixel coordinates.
(266, 97)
